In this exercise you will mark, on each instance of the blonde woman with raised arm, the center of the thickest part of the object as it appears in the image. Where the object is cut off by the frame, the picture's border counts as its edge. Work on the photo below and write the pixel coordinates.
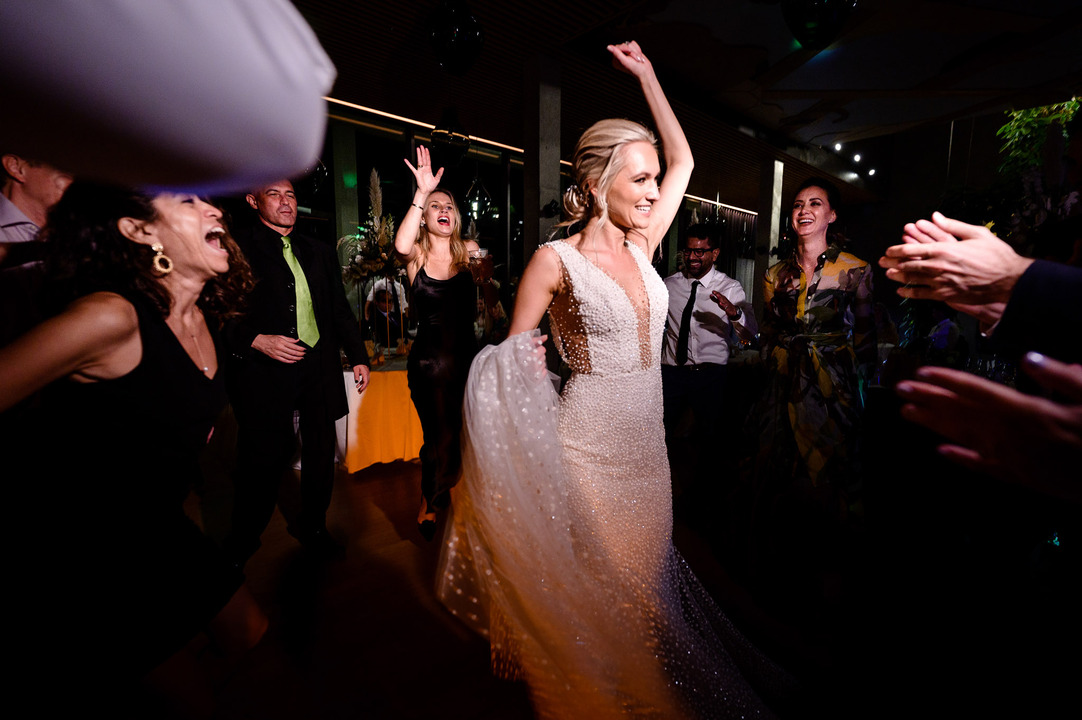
(444, 305)
(561, 548)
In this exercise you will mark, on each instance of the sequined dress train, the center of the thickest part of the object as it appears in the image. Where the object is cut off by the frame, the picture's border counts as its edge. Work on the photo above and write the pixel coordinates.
(560, 546)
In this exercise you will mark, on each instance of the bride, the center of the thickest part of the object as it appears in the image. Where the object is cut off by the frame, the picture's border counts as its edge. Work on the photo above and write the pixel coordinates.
(560, 550)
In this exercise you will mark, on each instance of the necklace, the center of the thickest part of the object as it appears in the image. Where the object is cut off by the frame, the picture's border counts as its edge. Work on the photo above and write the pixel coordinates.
(182, 326)
(199, 351)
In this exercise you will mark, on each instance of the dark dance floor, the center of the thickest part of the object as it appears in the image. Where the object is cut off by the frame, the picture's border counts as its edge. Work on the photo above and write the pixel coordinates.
(362, 637)
(365, 637)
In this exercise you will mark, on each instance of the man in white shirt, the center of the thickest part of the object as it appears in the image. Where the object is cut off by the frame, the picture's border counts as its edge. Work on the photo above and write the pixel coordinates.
(27, 190)
(707, 310)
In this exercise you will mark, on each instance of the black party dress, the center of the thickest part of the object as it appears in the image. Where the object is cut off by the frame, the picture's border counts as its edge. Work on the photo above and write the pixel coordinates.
(129, 578)
(439, 364)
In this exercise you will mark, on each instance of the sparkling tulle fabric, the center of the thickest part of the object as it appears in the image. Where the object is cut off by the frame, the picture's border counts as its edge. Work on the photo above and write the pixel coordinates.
(560, 546)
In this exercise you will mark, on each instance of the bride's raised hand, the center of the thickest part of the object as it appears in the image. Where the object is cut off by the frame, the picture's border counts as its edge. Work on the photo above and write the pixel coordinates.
(628, 57)
(427, 181)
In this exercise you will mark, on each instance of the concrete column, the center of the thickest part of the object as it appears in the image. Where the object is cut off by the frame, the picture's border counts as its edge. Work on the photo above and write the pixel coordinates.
(541, 181)
(672, 243)
(768, 228)
(347, 213)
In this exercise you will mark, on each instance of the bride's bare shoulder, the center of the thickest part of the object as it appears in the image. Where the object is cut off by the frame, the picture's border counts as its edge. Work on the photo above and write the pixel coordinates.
(573, 241)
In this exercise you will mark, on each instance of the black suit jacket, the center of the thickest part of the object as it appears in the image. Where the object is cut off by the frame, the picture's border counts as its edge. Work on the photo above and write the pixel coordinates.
(1042, 314)
(254, 377)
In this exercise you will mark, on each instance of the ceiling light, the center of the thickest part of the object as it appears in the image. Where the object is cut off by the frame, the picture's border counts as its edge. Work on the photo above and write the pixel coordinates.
(871, 172)
(837, 147)
(856, 158)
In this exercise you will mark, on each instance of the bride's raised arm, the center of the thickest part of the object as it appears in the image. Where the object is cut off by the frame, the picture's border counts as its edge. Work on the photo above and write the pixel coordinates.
(678, 159)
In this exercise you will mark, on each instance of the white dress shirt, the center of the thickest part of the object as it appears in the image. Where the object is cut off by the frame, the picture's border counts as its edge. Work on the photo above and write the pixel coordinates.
(710, 339)
(381, 284)
(15, 226)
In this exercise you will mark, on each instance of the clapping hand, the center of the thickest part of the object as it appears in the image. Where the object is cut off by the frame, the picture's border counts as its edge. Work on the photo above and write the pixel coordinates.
(726, 306)
(427, 181)
(998, 430)
(964, 265)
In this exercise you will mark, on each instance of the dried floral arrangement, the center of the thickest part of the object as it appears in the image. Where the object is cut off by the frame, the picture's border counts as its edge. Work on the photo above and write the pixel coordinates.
(370, 251)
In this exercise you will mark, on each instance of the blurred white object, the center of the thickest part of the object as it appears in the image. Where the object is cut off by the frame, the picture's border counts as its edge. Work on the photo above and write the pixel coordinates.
(200, 95)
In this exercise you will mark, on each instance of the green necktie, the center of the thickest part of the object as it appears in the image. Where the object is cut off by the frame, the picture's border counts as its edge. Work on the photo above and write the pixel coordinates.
(307, 331)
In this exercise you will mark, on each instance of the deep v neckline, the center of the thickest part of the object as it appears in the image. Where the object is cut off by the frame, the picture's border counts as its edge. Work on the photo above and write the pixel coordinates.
(191, 361)
(614, 281)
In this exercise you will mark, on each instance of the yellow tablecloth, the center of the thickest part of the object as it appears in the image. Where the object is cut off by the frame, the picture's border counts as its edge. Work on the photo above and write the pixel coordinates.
(382, 425)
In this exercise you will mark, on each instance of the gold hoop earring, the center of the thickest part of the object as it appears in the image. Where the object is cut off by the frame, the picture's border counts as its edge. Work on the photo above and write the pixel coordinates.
(160, 262)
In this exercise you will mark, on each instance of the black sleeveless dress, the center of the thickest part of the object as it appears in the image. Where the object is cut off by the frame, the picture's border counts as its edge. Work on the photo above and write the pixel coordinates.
(439, 364)
(116, 460)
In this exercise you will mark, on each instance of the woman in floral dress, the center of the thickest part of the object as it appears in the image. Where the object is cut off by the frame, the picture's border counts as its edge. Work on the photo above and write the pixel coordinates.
(818, 335)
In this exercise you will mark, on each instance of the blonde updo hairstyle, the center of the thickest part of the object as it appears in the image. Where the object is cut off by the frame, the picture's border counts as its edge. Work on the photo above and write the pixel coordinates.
(460, 257)
(598, 159)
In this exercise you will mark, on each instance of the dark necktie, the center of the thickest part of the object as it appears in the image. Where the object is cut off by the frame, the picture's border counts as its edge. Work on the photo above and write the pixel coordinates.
(685, 327)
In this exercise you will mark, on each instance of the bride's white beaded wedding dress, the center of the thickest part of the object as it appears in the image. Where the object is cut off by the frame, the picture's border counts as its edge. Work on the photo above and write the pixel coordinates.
(560, 545)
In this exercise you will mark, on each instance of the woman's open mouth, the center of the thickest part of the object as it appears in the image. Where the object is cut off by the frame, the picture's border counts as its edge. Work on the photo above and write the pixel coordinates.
(214, 238)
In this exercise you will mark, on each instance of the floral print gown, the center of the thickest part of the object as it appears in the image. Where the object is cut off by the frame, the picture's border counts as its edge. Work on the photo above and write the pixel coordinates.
(816, 333)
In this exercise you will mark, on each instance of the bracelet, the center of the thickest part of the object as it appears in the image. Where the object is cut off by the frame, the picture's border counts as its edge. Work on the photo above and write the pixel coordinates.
(419, 207)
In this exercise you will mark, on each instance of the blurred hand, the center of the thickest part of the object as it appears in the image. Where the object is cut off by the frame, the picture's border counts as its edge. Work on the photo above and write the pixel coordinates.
(998, 430)
(360, 376)
(279, 347)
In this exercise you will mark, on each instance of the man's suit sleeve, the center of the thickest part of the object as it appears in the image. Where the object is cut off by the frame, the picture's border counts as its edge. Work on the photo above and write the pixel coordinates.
(239, 336)
(1044, 313)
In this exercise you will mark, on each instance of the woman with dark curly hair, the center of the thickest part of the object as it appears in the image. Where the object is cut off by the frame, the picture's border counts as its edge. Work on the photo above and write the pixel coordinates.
(129, 377)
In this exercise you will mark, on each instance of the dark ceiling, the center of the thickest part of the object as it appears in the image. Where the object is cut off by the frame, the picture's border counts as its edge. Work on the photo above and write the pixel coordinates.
(744, 89)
